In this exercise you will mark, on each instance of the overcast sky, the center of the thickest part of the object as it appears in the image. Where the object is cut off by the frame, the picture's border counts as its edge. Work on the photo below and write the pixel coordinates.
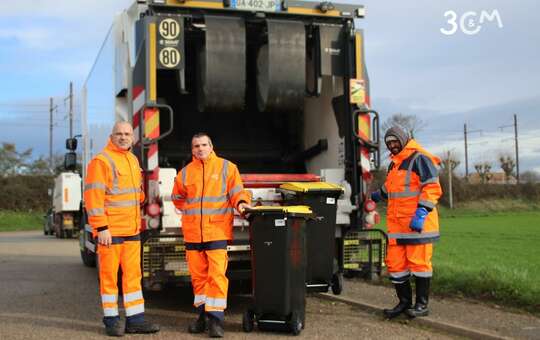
(486, 65)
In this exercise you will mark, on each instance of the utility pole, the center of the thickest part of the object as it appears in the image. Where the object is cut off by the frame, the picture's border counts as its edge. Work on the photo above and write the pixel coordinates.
(51, 109)
(465, 133)
(466, 155)
(517, 148)
(449, 167)
(515, 143)
(70, 109)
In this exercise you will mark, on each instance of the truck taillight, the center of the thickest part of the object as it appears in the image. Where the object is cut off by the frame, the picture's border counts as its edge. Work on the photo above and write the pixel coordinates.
(372, 218)
(370, 206)
(153, 209)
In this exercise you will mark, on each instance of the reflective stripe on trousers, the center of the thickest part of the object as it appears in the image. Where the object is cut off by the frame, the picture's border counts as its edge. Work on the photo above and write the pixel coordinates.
(127, 255)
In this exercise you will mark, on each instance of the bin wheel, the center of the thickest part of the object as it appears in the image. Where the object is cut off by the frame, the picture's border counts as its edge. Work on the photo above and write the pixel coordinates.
(247, 321)
(296, 324)
(337, 283)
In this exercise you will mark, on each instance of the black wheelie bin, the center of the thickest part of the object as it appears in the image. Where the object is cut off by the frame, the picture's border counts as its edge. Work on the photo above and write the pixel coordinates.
(278, 264)
(322, 269)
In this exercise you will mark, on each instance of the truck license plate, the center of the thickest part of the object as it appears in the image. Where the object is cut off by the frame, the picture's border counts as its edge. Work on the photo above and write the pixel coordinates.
(256, 5)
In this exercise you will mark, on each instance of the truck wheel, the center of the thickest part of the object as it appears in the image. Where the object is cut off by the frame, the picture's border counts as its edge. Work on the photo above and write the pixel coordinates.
(247, 321)
(88, 257)
(296, 324)
(337, 283)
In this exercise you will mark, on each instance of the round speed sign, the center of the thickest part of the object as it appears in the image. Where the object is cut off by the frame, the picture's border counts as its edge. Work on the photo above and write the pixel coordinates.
(169, 57)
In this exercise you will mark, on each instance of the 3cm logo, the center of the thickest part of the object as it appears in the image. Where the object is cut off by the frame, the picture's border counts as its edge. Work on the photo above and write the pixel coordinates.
(470, 22)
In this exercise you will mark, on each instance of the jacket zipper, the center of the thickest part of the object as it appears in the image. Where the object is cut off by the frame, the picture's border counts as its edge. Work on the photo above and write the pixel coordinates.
(202, 197)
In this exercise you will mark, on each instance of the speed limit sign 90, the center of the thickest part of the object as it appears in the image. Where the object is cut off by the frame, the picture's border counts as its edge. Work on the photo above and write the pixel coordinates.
(169, 28)
(169, 57)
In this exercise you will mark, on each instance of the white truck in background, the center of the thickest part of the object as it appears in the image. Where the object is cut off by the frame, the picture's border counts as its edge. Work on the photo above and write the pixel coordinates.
(63, 217)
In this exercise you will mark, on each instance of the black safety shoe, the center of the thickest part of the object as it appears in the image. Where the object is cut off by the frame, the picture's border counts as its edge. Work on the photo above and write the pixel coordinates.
(418, 310)
(144, 327)
(199, 325)
(215, 328)
(115, 329)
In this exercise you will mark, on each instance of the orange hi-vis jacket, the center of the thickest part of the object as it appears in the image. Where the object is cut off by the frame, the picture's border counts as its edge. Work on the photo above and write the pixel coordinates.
(412, 182)
(206, 193)
(112, 192)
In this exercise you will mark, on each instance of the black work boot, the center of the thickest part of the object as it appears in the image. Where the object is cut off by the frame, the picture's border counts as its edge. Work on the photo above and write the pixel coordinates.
(404, 294)
(114, 329)
(215, 327)
(199, 325)
(422, 296)
(144, 327)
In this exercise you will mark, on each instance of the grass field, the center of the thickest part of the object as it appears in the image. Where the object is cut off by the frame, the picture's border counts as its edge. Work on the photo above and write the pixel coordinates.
(490, 255)
(14, 221)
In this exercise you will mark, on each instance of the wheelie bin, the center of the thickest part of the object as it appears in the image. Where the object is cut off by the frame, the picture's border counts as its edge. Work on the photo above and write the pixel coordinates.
(278, 264)
(322, 269)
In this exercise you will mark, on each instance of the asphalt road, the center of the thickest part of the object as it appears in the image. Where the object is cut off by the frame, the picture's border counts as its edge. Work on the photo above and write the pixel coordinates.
(46, 293)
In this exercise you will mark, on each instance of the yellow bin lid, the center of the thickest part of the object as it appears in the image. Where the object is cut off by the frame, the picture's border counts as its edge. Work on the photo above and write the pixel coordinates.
(310, 186)
(292, 209)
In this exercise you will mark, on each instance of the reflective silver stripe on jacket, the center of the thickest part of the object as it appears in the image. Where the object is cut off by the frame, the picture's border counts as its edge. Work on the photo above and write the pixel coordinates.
(130, 203)
(208, 199)
(403, 194)
(224, 176)
(235, 190)
(429, 180)
(177, 197)
(95, 185)
(206, 211)
(115, 190)
(95, 212)
(422, 274)
(426, 204)
(216, 302)
(113, 168)
(414, 236)
(199, 300)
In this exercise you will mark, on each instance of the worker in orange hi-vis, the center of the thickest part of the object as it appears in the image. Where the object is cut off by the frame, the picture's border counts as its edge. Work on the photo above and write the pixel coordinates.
(112, 195)
(412, 190)
(206, 191)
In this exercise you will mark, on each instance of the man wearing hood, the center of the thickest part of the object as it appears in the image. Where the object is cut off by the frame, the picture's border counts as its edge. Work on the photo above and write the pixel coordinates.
(206, 191)
(112, 196)
(412, 190)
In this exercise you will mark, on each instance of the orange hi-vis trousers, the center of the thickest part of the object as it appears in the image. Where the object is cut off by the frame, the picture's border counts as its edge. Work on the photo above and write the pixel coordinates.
(126, 253)
(210, 285)
(407, 259)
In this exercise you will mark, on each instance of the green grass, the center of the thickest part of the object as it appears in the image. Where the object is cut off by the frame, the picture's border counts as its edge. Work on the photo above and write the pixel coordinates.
(489, 250)
(494, 256)
(14, 221)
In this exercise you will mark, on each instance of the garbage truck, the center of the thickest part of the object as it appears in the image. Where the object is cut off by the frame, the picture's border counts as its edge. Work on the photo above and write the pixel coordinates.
(281, 86)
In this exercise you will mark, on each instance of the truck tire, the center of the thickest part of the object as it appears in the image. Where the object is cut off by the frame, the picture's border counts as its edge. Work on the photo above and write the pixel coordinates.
(88, 257)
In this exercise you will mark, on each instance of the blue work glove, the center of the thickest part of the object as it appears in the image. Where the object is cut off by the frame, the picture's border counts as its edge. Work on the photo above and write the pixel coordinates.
(417, 222)
(376, 196)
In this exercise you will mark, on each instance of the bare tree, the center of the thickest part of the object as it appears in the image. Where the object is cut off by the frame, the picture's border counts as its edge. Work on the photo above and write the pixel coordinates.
(410, 123)
(507, 165)
(449, 158)
(484, 171)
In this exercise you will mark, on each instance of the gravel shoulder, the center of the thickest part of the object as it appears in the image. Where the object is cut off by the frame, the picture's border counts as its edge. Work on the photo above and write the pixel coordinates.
(461, 316)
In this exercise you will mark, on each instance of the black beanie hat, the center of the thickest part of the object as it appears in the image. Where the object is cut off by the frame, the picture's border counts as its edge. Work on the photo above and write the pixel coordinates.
(398, 133)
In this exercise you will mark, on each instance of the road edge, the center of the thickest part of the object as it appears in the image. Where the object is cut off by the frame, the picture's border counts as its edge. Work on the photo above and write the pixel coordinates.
(424, 321)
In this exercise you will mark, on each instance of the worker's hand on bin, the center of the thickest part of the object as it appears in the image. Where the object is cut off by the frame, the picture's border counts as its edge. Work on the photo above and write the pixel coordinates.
(242, 206)
(417, 222)
(376, 196)
(104, 237)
